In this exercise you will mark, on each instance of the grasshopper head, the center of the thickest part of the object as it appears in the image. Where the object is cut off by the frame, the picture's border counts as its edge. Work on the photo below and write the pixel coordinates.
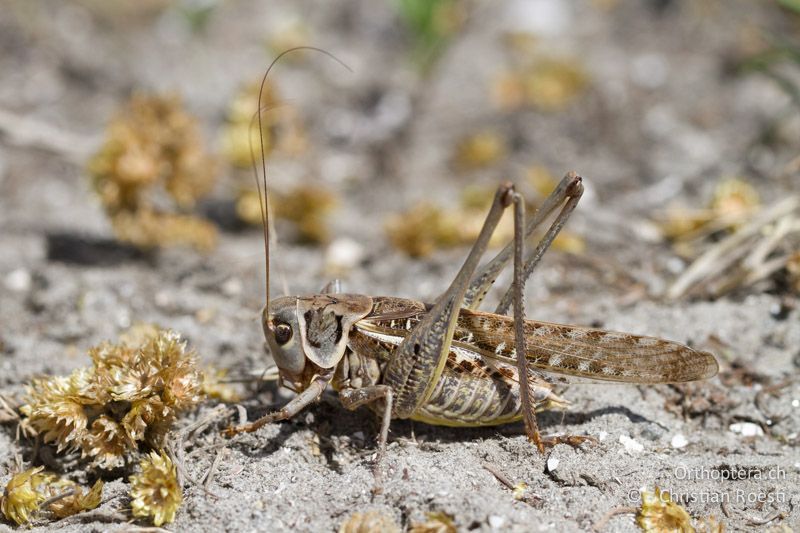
(307, 335)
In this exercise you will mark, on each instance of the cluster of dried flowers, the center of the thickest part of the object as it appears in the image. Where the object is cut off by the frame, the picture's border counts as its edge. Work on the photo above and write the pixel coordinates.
(155, 492)
(153, 158)
(128, 398)
(28, 491)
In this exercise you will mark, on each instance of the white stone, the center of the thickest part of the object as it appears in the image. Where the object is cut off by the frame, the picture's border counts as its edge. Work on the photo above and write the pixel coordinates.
(552, 463)
(631, 446)
(747, 429)
(18, 280)
(343, 254)
(496, 522)
(232, 287)
(679, 441)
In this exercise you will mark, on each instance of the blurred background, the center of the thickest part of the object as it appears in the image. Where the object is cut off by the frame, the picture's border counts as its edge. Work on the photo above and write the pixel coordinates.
(126, 188)
(127, 197)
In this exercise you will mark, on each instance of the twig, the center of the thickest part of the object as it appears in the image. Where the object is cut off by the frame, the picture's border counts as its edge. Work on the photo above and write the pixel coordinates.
(53, 499)
(760, 396)
(176, 449)
(209, 477)
(753, 521)
(603, 522)
(140, 529)
(499, 475)
(268, 374)
(95, 515)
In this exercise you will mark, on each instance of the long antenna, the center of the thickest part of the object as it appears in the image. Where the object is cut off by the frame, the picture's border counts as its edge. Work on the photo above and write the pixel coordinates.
(263, 199)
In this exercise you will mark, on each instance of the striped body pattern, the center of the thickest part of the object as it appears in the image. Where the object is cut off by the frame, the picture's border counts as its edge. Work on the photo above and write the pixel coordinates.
(479, 384)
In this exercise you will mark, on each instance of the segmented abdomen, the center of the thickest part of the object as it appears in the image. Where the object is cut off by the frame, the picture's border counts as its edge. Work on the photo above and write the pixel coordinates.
(479, 397)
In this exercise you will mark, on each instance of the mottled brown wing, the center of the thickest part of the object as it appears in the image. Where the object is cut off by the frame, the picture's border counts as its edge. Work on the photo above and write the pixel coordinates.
(585, 352)
(576, 353)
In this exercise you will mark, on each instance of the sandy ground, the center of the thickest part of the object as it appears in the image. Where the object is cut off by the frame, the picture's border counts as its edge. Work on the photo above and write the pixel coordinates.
(663, 118)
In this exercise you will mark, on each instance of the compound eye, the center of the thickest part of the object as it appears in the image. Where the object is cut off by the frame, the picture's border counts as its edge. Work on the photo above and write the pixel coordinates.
(283, 332)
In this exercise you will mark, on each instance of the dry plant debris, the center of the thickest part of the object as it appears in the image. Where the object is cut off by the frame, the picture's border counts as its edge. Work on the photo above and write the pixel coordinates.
(479, 150)
(542, 83)
(305, 206)
(155, 492)
(28, 491)
(129, 397)
(281, 126)
(151, 171)
(659, 513)
(369, 522)
(732, 202)
(754, 243)
(437, 522)
(426, 227)
(215, 387)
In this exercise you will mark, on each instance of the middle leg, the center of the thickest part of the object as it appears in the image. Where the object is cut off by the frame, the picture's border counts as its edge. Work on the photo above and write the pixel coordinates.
(352, 399)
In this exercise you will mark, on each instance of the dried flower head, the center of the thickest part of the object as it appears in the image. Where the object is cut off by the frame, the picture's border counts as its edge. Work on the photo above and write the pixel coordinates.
(22, 497)
(436, 523)
(155, 491)
(479, 150)
(153, 157)
(281, 127)
(734, 196)
(422, 230)
(519, 490)
(660, 513)
(547, 84)
(305, 206)
(130, 396)
(369, 522)
(79, 501)
(733, 201)
(28, 490)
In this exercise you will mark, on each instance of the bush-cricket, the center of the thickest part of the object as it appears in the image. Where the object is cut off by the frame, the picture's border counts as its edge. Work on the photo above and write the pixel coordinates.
(448, 363)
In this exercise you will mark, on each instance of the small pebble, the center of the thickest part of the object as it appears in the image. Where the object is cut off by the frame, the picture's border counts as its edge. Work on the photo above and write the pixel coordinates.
(679, 441)
(232, 287)
(602, 436)
(496, 522)
(18, 280)
(747, 429)
(552, 463)
(343, 255)
(631, 446)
